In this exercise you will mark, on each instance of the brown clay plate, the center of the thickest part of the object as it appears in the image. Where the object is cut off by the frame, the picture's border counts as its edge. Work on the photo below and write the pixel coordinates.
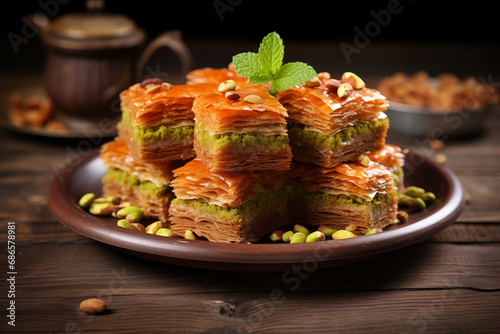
(84, 175)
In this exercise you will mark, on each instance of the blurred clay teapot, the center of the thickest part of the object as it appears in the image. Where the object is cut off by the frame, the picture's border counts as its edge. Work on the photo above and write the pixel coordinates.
(91, 58)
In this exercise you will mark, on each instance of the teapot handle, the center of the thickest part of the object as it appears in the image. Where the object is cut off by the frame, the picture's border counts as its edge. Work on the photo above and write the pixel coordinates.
(171, 39)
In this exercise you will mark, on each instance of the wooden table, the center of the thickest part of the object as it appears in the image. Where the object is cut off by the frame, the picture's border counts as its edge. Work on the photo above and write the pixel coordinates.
(449, 283)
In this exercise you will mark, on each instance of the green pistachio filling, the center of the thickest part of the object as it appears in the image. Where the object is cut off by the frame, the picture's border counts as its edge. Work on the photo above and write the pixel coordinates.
(131, 181)
(154, 134)
(234, 140)
(242, 213)
(298, 133)
(299, 194)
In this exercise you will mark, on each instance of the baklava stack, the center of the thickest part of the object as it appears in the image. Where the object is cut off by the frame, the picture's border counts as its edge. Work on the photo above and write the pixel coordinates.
(155, 136)
(333, 125)
(233, 190)
(242, 184)
(331, 122)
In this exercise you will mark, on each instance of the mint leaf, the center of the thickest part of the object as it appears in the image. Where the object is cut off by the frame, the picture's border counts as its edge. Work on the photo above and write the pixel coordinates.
(267, 66)
(260, 78)
(292, 74)
(247, 64)
(271, 52)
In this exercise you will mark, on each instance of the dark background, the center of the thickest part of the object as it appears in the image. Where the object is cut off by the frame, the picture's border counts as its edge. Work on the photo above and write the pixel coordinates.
(418, 20)
(469, 30)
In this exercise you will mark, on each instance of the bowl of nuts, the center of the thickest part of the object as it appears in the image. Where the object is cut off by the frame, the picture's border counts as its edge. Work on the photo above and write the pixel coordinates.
(438, 107)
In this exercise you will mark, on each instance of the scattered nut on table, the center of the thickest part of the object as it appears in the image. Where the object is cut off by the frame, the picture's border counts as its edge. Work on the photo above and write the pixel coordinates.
(93, 305)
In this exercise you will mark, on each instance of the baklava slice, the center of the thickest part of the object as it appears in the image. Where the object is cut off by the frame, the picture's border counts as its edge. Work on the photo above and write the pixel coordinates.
(141, 183)
(327, 129)
(158, 121)
(392, 157)
(349, 197)
(247, 133)
(229, 207)
(214, 76)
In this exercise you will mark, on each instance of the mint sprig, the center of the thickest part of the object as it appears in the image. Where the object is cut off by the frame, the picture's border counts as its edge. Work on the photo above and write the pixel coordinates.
(267, 66)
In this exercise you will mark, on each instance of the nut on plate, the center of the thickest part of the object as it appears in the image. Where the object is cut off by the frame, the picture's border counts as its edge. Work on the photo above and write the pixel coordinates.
(153, 227)
(298, 238)
(287, 236)
(189, 235)
(327, 231)
(342, 234)
(86, 200)
(276, 235)
(125, 224)
(131, 213)
(101, 208)
(315, 236)
(164, 232)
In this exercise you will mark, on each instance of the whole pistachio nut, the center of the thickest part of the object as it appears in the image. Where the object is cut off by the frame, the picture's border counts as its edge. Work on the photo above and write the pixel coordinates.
(374, 231)
(154, 227)
(113, 199)
(287, 236)
(116, 208)
(227, 86)
(342, 234)
(101, 209)
(353, 79)
(276, 235)
(419, 204)
(332, 84)
(300, 228)
(406, 200)
(86, 200)
(164, 232)
(429, 197)
(402, 216)
(133, 213)
(138, 226)
(344, 90)
(327, 231)
(110, 199)
(232, 96)
(125, 224)
(298, 238)
(189, 235)
(314, 82)
(414, 191)
(256, 99)
(315, 236)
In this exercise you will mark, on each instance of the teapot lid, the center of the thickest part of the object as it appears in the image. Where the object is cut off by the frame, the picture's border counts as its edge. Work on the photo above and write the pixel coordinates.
(92, 30)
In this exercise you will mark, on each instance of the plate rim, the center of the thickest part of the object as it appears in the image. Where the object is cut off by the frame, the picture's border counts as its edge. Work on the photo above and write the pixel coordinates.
(247, 257)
